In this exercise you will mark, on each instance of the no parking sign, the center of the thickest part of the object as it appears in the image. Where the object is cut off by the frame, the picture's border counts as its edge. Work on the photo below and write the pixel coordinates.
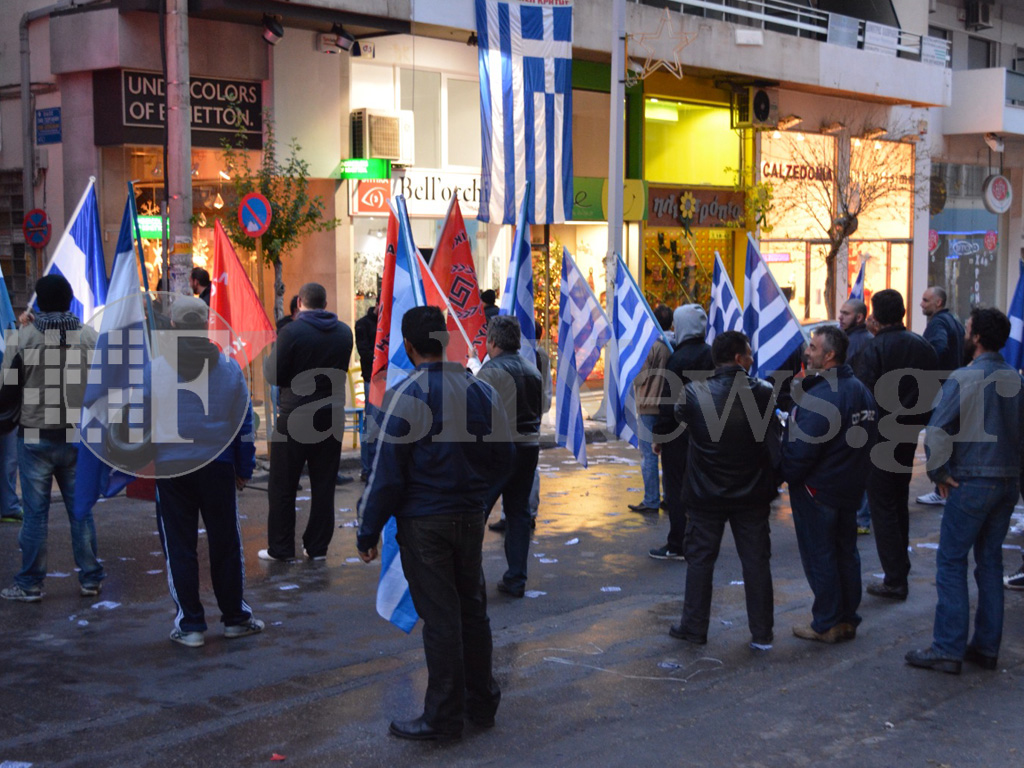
(254, 214)
(36, 228)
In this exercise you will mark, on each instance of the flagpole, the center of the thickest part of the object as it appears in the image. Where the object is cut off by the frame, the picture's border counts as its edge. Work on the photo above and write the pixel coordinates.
(650, 312)
(141, 257)
(67, 232)
(403, 222)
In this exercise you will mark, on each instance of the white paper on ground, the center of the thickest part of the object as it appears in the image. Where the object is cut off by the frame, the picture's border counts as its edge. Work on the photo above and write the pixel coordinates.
(570, 542)
(283, 587)
(155, 572)
(58, 575)
(736, 583)
(303, 498)
(611, 589)
(106, 605)
(534, 593)
(549, 560)
(928, 545)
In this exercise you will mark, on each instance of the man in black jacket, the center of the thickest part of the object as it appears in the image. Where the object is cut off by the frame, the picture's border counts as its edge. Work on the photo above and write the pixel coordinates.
(825, 460)
(731, 477)
(690, 358)
(309, 363)
(852, 317)
(904, 404)
(518, 384)
(366, 339)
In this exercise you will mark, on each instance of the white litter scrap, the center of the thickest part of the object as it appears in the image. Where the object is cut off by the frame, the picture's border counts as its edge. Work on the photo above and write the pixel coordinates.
(610, 589)
(83, 623)
(284, 587)
(302, 498)
(928, 545)
(349, 524)
(572, 541)
(635, 490)
(736, 583)
(344, 509)
(201, 531)
(549, 560)
(58, 575)
(351, 559)
(154, 572)
(105, 605)
(15, 764)
(532, 593)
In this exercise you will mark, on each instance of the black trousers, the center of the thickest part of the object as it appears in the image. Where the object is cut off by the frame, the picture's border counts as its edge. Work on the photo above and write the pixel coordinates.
(210, 490)
(441, 557)
(753, 544)
(515, 500)
(673, 463)
(287, 458)
(888, 494)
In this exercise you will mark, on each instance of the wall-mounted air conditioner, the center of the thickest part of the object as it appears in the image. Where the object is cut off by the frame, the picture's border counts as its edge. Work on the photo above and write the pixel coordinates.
(383, 134)
(979, 15)
(755, 107)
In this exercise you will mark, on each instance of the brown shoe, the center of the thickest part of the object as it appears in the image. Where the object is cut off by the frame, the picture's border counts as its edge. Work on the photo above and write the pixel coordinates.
(847, 631)
(833, 635)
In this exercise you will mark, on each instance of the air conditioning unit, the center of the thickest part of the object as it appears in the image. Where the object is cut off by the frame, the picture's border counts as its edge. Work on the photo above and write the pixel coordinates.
(383, 134)
(755, 107)
(979, 15)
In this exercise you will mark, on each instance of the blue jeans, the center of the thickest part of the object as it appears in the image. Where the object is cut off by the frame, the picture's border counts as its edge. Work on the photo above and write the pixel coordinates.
(10, 504)
(977, 515)
(648, 461)
(827, 539)
(864, 513)
(41, 462)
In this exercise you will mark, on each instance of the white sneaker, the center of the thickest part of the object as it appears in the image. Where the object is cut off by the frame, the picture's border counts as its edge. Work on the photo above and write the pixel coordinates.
(1015, 580)
(931, 498)
(188, 639)
(251, 627)
(310, 557)
(264, 554)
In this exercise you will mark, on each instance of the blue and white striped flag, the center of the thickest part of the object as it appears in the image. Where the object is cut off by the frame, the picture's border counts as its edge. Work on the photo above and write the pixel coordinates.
(1013, 352)
(768, 320)
(525, 54)
(517, 298)
(857, 290)
(79, 257)
(726, 313)
(635, 329)
(394, 602)
(408, 292)
(583, 328)
(8, 320)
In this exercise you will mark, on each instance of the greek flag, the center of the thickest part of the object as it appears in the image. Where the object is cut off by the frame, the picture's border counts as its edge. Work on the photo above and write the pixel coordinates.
(725, 314)
(79, 257)
(517, 298)
(8, 320)
(768, 321)
(116, 378)
(635, 331)
(1013, 352)
(857, 291)
(525, 53)
(408, 292)
(583, 329)
(394, 602)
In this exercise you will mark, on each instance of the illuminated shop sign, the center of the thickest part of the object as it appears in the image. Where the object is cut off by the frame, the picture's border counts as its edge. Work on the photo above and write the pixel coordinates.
(694, 206)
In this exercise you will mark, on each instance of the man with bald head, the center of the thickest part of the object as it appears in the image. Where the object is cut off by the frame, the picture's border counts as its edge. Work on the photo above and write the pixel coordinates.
(852, 317)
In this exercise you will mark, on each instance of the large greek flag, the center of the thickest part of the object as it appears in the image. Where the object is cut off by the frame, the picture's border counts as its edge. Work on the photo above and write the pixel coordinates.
(635, 329)
(1013, 352)
(517, 299)
(725, 312)
(768, 321)
(525, 51)
(583, 329)
(857, 291)
(408, 292)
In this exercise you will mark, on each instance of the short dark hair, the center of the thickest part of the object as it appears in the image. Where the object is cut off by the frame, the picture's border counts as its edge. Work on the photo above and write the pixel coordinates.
(425, 328)
(504, 332)
(992, 326)
(488, 296)
(835, 340)
(293, 305)
(663, 315)
(858, 307)
(201, 276)
(727, 345)
(54, 293)
(313, 296)
(887, 306)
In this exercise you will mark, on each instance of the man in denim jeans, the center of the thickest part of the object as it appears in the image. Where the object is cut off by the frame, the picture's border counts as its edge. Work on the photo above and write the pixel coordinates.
(649, 384)
(47, 361)
(975, 446)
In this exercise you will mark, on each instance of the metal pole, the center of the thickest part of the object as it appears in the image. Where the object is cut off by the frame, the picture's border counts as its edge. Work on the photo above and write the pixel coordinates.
(179, 147)
(547, 290)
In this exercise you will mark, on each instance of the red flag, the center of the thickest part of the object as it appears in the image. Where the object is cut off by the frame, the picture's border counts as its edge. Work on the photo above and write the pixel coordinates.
(452, 265)
(234, 304)
(381, 347)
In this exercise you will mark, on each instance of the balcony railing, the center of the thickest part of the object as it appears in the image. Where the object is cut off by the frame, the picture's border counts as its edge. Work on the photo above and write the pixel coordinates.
(795, 19)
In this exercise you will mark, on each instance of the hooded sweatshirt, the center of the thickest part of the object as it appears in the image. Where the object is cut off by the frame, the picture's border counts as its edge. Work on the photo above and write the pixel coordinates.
(689, 321)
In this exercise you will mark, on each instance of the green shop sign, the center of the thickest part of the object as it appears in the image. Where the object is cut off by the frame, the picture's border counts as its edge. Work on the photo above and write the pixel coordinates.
(362, 168)
(149, 227)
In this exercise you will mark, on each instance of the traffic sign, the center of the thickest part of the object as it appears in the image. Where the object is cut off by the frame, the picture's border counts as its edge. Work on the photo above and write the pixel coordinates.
(36, 227)
(254, 214)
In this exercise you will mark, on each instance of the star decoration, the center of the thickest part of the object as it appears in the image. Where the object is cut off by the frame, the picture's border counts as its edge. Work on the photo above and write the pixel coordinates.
(651, 63)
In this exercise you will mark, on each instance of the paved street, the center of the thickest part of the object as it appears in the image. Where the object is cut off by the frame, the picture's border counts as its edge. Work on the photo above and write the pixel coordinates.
(588, 671)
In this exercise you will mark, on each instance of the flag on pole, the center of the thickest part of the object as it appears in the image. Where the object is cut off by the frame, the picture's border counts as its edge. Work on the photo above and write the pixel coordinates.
(1013, 352)
(517, 299)
(452, 265)
(78, 257)
(768, 320)
(394, 602)
(525, 56)
(236, 312)
(857, 291)
(8, 320)
(635, 330)
(726, 313)
(115, 379)
(583, 328)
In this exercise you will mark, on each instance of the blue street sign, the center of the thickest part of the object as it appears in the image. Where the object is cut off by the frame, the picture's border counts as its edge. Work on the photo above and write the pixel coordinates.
(48, 126)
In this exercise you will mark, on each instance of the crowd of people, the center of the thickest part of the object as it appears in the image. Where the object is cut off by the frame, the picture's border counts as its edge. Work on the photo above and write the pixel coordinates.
(446, 445)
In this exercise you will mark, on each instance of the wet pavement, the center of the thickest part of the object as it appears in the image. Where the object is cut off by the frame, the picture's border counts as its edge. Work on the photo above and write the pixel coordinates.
(588, 671)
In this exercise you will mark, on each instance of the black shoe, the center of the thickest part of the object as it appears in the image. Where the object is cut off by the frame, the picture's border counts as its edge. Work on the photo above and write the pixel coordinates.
(420, 730)
(678, 633)
(533, 523)
(641, 508)
(980, 659)
(664, 506)
(881, 589)
(498, 525)
(666, 553)
(927, 658)
(507, 589)
(481, 721)
(343, 479)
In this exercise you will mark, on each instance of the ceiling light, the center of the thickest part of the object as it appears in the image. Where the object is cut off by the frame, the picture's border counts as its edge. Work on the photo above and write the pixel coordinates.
(789, 122)
(873, 133)
(345, 39)
(225, 175)
(832, 128)
(272, 29)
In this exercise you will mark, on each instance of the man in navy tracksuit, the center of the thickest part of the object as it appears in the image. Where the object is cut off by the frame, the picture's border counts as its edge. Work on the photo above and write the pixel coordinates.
(204, 453)
(825, 459)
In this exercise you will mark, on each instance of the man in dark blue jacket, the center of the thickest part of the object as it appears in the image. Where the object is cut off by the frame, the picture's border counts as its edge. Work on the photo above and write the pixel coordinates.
(825, 459)
(443, 452)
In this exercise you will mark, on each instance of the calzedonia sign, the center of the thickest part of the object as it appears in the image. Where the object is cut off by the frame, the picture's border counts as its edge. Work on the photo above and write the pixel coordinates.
(427, 193)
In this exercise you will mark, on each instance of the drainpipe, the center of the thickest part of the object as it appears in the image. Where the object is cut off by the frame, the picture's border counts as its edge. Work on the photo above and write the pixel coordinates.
(27, 144)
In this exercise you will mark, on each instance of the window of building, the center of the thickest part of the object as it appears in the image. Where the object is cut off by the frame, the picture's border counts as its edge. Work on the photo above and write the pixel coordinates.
(980, 53)
(420, 91)
(463, 122)
(689, 144)
(12, 239)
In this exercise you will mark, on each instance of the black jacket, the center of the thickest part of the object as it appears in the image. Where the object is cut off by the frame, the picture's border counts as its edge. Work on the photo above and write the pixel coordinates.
(366, 338)
(733, 454)
(316, 340)
(946, 335)
(892, 349)
(689, 360)
(859, 337)
(519, 387)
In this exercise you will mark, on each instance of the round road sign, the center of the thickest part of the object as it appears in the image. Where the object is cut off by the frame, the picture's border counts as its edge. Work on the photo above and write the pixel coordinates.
(254, 214)
(36, 227)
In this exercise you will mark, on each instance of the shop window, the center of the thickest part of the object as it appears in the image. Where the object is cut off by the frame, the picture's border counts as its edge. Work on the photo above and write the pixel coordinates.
(12, 240)
(463, 129)
(420, 91)
(689, 144)
(980, 53)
